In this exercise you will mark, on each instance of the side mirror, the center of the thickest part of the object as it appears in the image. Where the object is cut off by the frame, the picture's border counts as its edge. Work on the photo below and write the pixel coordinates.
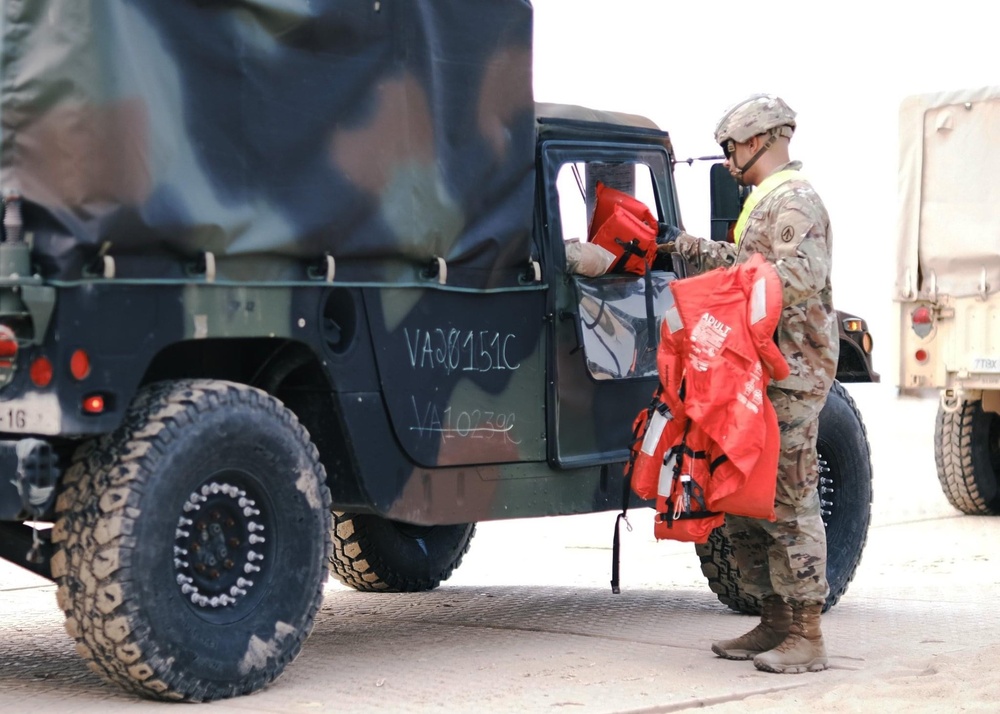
(727, 200)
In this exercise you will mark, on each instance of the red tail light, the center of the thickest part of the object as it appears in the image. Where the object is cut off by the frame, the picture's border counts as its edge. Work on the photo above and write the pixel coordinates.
(41, 372)
(921, 315)
(93, 404)
(922, 321)
(8, 346)
(79, 365)
(921, 356)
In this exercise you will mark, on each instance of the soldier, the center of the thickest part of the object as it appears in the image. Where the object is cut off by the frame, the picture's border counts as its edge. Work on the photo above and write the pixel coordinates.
(782, 563)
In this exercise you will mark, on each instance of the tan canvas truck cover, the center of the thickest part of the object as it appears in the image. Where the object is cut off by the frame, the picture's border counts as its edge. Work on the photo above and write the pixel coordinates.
(947, 284)
(271, 133)
(949, 184)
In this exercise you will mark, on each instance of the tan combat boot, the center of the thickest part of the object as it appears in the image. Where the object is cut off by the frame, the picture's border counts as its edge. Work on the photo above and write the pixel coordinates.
(802, 651)
(775, 619)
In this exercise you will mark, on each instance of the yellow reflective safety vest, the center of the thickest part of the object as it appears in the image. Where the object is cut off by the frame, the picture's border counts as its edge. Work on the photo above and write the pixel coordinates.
(766, 186)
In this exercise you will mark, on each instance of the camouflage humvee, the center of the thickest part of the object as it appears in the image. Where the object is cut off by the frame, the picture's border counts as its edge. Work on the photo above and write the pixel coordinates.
(285, 289)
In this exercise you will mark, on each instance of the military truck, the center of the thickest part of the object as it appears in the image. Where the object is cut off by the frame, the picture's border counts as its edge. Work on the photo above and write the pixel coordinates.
(947, 282)
(284, 291)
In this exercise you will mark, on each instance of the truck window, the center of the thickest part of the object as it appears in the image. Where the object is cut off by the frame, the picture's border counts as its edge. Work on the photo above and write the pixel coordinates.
(614, 322)
(576, 184)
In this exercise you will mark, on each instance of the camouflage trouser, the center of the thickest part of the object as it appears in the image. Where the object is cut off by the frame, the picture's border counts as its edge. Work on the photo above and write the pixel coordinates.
(788, 556)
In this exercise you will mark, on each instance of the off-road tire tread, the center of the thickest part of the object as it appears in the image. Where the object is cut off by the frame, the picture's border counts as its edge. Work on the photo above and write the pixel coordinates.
(953, 458)
(356, 562)
(96, 511)
(834, 597)
(718, 564)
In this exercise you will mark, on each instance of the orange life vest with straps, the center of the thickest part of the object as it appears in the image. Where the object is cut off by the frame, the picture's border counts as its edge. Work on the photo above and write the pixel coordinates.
(709, 442)
(624, 226)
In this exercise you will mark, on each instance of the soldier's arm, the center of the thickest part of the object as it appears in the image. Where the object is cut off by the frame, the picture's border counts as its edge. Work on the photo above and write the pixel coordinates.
(702, 255)
(801, 250)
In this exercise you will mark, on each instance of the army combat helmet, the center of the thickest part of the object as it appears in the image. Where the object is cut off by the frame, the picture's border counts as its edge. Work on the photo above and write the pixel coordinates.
(757, 114)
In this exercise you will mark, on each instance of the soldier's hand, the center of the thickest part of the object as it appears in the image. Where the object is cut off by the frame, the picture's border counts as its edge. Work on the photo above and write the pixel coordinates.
(667, 233)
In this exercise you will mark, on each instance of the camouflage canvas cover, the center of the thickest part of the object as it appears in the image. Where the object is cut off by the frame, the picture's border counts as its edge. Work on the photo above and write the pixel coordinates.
(271, 133)
(948, 240)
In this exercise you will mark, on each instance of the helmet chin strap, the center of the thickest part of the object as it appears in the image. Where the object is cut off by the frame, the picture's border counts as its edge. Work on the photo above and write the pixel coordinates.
(772, 136)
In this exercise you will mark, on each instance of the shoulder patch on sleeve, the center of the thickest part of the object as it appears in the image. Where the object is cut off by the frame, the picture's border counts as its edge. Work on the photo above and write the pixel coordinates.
(787, 233)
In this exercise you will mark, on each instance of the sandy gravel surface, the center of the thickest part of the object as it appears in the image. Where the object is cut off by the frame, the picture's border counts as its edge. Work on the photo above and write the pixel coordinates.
(529, 623)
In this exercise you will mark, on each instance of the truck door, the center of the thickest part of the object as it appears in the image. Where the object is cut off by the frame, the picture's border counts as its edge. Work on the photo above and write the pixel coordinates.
(603, 351)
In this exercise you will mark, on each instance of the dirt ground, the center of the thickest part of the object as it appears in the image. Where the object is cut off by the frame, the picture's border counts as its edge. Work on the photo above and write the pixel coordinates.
(529, 623)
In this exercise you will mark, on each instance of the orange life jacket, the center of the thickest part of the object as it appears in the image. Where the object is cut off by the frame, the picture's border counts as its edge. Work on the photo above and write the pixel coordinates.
(624, 226)
(608, 198)
(718, 451)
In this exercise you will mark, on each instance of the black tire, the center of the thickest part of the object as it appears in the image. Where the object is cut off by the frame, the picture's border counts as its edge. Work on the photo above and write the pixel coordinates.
(192, 542)
(846, 498)
(375, 554)
(967, 456)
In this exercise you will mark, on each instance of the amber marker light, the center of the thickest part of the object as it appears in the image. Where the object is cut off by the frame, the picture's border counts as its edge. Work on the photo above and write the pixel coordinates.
(79, 365)
(866, 342)
(93, 404)
(41, 372)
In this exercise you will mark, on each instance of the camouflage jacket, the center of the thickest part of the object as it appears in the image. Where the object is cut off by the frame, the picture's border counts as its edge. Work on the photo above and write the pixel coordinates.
(790, 228)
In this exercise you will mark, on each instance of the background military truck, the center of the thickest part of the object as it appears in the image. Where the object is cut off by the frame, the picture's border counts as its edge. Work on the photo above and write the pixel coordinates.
(283, 290)
(947, 289)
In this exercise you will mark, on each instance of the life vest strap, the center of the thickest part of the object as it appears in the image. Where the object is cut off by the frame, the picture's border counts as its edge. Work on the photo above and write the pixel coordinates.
(668, 516)
(688, 451)
(721, 459)
(655, 404)
(629, 249)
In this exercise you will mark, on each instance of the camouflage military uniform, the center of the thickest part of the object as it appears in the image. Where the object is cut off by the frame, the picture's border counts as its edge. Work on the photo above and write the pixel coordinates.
(791, 228)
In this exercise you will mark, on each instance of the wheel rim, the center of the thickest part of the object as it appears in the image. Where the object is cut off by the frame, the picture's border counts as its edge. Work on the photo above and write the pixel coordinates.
(223, 547)
(827, 487)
